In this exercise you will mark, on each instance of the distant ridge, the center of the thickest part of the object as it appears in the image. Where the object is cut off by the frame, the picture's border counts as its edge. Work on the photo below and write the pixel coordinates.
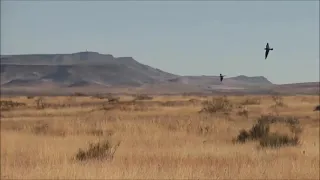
(92, 69)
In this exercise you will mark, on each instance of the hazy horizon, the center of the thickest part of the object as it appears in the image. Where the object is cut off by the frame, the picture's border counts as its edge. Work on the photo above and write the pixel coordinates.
(184, 38)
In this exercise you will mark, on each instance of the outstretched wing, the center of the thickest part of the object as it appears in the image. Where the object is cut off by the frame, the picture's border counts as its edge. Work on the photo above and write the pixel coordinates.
(266, 54)
(267, 46)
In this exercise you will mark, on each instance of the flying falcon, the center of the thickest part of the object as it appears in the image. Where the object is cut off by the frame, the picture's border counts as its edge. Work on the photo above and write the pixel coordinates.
(221, 77)
(267, 50)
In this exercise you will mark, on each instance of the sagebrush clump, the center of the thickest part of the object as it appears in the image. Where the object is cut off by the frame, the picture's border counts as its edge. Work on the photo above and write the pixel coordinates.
(261, 132)
(217, 105)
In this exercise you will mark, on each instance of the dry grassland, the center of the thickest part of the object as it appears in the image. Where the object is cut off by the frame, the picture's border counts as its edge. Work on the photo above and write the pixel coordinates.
(160, 138)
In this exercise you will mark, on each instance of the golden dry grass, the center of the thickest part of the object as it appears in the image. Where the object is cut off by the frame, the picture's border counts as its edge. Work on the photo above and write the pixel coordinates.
(158, 140)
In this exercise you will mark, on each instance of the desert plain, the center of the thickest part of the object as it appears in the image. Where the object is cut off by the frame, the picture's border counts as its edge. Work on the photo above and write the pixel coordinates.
(158, 137)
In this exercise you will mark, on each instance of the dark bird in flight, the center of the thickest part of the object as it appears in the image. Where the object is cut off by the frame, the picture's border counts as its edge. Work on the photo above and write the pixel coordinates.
(267, 50)
(221, 77)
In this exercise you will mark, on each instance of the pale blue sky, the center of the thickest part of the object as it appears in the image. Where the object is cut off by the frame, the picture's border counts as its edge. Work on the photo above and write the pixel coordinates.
(182, 37)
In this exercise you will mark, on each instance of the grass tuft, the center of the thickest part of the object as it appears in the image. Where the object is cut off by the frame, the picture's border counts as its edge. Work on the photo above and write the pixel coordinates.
(98, 151)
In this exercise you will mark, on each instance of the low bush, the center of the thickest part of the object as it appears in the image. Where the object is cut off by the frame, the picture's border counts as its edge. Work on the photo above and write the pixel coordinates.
(217, 105)
(261, 132)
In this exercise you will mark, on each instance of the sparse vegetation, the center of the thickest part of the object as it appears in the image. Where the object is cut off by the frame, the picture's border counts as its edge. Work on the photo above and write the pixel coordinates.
(251, 101)
(40, 129)
(43, 129)
(9, 105)
(278, 101)
(217, 105)
(40, 104)
(164, 137)
(112, 99)
(143, 97)
(243, 111)
(98, 151)
(261, 132)
(101, 96)
(276, 140)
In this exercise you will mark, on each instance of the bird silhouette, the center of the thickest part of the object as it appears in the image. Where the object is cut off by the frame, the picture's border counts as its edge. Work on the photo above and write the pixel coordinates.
(267, 50)
(221, 77)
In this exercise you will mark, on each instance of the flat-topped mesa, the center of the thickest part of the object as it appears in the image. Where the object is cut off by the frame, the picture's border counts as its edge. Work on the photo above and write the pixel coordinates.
(58, 59)
(79, 69)
(89, 56)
